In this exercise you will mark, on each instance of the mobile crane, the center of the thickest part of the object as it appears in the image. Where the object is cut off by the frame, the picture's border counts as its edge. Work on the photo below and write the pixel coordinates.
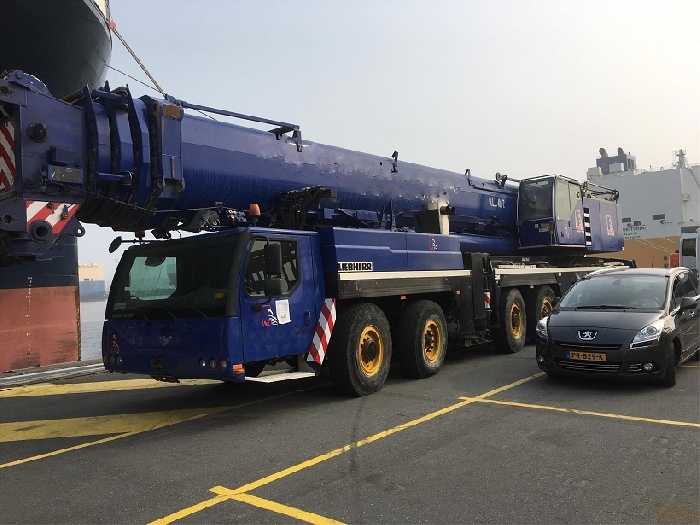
(328, 259)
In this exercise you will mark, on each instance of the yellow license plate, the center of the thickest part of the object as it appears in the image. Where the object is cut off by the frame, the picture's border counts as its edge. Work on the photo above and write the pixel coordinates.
(587, 356)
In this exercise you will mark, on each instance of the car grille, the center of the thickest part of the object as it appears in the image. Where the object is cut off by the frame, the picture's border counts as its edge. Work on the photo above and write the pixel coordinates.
(583, 347)
(580, 366)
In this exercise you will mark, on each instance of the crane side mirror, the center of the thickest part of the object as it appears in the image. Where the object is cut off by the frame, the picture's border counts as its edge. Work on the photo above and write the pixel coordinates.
(272, 287)
(273, 259)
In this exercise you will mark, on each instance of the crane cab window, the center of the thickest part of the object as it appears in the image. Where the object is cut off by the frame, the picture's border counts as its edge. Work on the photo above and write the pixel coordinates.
(173, 280)
(255, 267)
(566, 196)
(535, 200)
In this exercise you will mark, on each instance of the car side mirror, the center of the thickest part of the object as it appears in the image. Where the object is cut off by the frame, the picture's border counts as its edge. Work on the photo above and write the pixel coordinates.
(688, 303)
(556, 301)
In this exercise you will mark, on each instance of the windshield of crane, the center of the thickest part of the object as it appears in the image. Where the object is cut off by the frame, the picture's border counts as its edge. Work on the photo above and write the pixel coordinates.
(535, 199)
(173, 279)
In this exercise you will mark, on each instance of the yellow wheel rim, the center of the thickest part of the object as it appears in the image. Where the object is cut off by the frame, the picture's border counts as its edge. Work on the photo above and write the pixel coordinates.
(370, 351)
(516, 320)
(432, 341)
(546, 308)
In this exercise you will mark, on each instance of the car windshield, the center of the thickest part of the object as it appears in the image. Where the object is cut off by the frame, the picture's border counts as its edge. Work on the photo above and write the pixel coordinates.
(618, 291)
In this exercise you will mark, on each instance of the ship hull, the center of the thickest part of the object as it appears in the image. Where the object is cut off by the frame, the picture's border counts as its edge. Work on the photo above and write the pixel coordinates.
(40, 305)
(42, 327)
(66, 44)
(92, 291)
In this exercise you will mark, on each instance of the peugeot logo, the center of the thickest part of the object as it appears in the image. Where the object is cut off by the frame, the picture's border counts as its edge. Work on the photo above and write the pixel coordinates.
(587, 335)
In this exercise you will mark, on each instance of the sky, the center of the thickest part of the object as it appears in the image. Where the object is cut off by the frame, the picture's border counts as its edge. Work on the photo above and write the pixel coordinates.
(522, 87)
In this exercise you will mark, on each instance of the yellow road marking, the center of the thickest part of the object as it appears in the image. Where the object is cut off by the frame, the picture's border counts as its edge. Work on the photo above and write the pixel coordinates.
(191, 510)
(64, 450)
(164, 422)
(585, 412)
(98, 425)
(97, 386)
(292, 512)
(224, 493)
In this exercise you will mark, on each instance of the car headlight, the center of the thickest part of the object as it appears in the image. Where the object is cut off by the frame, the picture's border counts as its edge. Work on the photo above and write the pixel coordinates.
(649, 335)
(541, 329)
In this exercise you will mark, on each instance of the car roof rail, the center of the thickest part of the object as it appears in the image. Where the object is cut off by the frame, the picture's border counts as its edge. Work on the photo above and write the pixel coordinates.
(606, 270)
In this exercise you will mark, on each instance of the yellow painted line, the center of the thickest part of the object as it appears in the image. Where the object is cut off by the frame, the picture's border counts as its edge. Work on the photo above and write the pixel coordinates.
(508, 387)
(165, 422)
(97, 386)
(191, 510)
(585, 412)
(98, 425)
(292, 512)
(235, 493)
(64, 450)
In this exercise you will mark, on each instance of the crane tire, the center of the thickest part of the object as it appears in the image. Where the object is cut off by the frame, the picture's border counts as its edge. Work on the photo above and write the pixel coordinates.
(359, 352)
(509, 337)
(422, 339)
(539, 303)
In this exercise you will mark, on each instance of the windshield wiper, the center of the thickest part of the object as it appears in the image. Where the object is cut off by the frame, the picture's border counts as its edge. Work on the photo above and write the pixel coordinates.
(193, 307)
(160, 307)
(140, 312)
(602, 307)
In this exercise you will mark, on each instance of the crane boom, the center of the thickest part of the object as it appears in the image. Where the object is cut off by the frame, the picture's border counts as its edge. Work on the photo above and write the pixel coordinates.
(106, 158)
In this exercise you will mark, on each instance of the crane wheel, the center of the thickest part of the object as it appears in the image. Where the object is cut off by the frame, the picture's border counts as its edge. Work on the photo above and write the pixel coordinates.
(422, 339)
(359, 352)
(539, 303)
(509, 337)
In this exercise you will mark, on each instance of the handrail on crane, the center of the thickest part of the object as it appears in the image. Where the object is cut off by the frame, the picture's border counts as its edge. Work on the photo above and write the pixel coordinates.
(281, 129)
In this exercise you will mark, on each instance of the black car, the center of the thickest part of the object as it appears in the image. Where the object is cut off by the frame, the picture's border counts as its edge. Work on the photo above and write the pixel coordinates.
(626, 322)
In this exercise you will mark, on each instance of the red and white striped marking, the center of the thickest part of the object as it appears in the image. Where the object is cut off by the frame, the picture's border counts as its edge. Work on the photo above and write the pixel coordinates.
(8, 168)
(57, 214)
(487, 300)
(324, 329)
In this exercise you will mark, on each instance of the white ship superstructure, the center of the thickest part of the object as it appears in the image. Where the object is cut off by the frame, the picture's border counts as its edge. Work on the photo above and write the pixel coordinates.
(657, 204)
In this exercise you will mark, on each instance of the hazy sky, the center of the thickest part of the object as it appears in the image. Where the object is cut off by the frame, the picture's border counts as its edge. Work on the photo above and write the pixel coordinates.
(524, 87)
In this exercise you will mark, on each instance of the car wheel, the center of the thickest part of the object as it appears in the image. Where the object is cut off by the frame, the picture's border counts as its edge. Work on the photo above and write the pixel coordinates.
(669, 378)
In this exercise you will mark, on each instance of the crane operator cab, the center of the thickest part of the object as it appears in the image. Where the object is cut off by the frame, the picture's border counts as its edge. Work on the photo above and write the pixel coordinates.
(559, 212)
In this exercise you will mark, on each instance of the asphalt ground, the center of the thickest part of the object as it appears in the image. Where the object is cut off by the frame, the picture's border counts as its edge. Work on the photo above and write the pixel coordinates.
(487, 440)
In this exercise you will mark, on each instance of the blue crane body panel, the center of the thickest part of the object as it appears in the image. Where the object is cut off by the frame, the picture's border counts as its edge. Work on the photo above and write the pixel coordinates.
(353, 250)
